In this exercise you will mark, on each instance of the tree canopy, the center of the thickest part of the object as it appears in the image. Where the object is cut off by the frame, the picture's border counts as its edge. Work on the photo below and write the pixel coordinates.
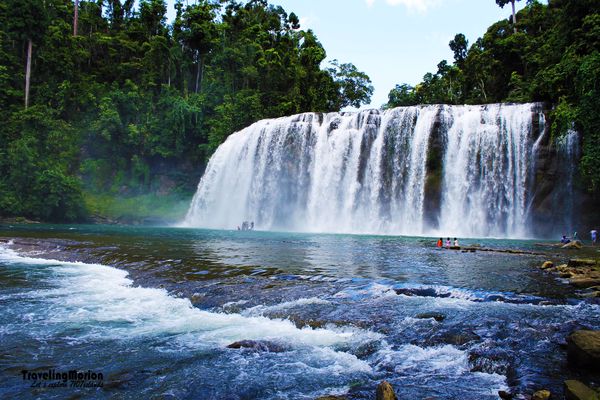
(133, 103)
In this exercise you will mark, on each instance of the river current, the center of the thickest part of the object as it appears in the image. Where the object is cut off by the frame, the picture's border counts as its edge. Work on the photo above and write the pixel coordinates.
(155, 309)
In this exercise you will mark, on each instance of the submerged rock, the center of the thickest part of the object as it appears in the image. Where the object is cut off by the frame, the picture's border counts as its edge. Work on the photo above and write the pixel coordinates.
(331, 397)
(421, 292)
(385, 391)
(504, 395)
(583, 348)
(459, 338)
(575, 390)
(439, 317)
(541, 395)
(258, 345)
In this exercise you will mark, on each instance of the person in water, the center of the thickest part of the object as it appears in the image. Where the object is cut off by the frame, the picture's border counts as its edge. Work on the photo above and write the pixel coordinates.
(448, 243)
(564, 239)
(440, 243)
(455, 242)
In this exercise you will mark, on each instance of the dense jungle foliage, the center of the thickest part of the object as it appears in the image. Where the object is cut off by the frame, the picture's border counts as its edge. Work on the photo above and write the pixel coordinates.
(107, 99)
(551, 54)
(118, 101)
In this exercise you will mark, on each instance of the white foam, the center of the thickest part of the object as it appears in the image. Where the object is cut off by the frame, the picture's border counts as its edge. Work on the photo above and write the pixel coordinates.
(447, 361)
(103, 300)
(261, 309)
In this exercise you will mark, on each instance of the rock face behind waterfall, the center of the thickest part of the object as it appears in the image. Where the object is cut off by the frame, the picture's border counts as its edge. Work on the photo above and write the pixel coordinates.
(440, 170)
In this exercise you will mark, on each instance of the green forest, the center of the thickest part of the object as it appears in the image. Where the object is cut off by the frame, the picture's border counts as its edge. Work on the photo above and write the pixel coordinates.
(551, 54)
(107, 108)
(108, 100)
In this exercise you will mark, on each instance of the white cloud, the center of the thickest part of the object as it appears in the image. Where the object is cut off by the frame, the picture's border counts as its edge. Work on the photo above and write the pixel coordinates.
(421, 6)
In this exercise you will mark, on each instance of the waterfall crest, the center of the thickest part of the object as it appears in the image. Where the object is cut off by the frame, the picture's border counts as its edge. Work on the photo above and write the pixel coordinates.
(422, 170)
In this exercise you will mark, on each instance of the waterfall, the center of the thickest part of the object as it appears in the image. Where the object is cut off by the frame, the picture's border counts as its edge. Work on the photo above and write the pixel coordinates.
(568, 152)
(423, 170)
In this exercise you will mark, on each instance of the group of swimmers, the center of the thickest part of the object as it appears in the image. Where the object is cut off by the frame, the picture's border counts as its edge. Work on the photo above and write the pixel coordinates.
(593, 234)
(246, 226)
(440, 243)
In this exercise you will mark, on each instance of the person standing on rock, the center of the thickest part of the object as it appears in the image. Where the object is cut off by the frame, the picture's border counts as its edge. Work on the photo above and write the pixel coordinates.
(440, 243)
(455, 242)
(448, 243)
(594, 235)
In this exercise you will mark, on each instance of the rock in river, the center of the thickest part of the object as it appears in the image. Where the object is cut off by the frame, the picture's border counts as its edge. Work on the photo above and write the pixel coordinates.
(258, 345)
(547, 264)
(575, 390)
(541, 395)
(583, 348)
(575, 244)
(385, 391)
(439, 317)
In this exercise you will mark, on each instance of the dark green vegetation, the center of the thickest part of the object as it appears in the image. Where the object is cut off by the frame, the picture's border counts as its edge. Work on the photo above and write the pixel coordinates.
(127, 104)
(551, 55)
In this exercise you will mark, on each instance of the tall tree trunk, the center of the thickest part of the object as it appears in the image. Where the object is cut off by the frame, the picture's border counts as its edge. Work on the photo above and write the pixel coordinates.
(198, 75)
(201, 72)
(28, 72)
(75, 17)
(514, 15)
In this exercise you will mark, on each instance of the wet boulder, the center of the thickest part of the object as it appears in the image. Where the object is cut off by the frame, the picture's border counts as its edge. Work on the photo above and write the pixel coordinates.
(547, 264)
(491, 361)
(575, 390)
(504, 395)
(541, 395)
(575, 244)
(258, 345)
(385, 391)
(583, 348)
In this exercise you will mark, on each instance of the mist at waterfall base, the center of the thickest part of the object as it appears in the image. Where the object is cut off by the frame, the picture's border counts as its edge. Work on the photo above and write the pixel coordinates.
(331, 314)
(439, 170)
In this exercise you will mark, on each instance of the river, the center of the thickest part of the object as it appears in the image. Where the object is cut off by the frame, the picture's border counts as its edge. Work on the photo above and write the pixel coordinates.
(155, 309)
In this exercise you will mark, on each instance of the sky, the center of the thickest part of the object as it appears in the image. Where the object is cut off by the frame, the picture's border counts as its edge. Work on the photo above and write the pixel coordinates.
(393, 41)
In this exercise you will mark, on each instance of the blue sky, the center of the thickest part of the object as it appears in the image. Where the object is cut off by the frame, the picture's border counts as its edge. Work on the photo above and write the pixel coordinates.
(393, 41)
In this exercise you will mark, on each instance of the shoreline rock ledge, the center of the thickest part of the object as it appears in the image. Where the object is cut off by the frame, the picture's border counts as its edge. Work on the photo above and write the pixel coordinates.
(575, 390)
(583, 349)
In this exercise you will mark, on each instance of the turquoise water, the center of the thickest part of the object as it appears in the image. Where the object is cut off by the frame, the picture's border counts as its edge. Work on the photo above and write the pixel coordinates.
(154, 310)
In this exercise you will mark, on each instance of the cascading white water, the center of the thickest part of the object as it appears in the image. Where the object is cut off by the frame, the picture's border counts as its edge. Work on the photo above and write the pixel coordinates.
(568, 151)
(367, 172)
(487, 164)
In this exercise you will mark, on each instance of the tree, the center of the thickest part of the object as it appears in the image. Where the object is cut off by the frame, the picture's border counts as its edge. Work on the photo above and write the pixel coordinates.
(401, 95)
(354, 86)
(75, 17)
(200, 34)
(459, 46)
(27, 20)
(502, 3)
